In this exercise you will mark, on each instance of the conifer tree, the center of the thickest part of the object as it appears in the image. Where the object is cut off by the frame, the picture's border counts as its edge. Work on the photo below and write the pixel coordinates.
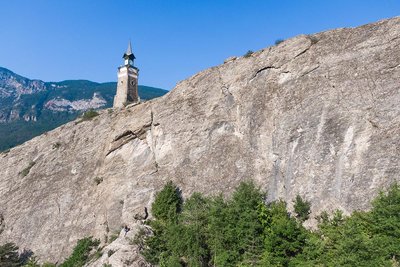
(302, 208)
(9, 256)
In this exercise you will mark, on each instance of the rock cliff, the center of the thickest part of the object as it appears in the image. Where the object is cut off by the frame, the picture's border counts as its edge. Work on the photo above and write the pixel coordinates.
(317, 115)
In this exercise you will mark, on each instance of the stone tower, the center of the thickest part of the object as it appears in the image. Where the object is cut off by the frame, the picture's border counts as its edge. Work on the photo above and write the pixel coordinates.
(127, 87)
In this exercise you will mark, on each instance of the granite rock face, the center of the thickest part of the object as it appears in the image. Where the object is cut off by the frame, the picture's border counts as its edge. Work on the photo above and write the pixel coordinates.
(316, 115)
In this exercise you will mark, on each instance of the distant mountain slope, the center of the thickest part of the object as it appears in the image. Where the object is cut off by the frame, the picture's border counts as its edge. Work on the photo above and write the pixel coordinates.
(30, 107)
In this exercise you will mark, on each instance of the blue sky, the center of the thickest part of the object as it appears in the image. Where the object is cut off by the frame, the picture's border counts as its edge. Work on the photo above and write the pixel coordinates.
(56, 40)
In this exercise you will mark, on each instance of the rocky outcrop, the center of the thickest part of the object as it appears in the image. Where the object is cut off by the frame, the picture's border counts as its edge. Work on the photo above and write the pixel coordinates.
(315, 115)
(61, 104)
(13, 85)
(12, 88)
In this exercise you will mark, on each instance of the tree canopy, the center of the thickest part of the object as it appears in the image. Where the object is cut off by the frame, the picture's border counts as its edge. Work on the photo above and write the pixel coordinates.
(245, 230)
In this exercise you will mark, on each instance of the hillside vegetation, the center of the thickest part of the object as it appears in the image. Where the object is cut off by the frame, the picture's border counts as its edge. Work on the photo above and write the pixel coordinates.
(244, 230)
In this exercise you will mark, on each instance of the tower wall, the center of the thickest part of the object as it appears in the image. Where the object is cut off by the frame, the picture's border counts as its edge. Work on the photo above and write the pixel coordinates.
(127, 86)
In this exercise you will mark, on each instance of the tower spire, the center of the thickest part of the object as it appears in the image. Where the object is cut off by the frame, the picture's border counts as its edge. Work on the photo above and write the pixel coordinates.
(128, 54)
(129, 50)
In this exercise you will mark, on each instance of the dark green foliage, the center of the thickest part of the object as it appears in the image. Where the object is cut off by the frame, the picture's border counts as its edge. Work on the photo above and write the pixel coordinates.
(170, 261)
(155, 244)
(193, 222)
(113, 236)
(248, 54)
(89, 114)
(165, 209)
(244, 231)
(219, 235)
(56, 145)
(284, 236)
(110, 252)
(386, 212)
(278, 41)
(206, 230)
(32, 262)
(81, 253)
(48, 264)
(245, 228)
(168, 203)
(302, 208)
(98, 180)
(26, 171)
(98, 254)
(9, 256)
(362, 239)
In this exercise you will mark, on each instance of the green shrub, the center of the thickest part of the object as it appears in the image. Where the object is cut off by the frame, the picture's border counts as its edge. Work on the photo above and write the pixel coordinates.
(26, 171)
(98, 180)
(32, 262)
(56, 145)
(110, 252)
(89, 114)
(313, 39)
(81, 253)
(278, 41)
(98, 254)
(114, 236)
(9, 256)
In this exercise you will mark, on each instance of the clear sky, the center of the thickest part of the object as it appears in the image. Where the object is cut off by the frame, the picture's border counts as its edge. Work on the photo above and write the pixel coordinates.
(56, 40)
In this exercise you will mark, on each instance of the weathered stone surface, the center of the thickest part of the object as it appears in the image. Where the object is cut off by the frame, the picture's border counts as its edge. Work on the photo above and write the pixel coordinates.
(122, 252)
(315, 115)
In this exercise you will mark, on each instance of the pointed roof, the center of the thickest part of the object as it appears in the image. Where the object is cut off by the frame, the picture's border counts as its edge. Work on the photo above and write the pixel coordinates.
(128, 53)
(129, 50)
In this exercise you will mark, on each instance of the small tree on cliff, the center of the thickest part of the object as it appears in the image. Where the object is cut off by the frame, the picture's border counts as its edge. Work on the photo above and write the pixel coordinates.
(9, 256)
(302, 208)
(168, 203)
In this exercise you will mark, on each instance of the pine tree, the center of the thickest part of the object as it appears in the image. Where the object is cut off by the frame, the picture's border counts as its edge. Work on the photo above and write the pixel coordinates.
(168, 203)
(9, 256)
(164, 241)
(194, 219)
(302, 208)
